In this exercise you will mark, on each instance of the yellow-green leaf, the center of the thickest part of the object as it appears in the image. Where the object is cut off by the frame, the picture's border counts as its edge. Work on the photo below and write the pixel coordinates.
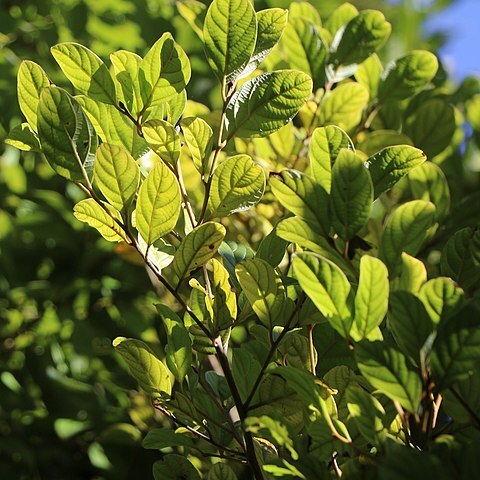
(163, 140)
(158, 204)
(199, 138)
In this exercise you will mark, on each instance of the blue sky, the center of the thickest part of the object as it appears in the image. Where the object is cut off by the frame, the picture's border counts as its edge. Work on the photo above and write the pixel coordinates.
(461, 21)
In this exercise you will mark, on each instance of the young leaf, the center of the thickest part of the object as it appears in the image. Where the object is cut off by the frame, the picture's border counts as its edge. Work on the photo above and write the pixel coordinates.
(270, 26)
(126, 66)
(409, 322)
(371, 299)
(413, 274)
(306, 49)
(117, 175)
(24, 138)
(388, 371)
(368, 74)
(298, 231)
(266, 103)
(340, 16)
(66, 136)
(197, 248)
(90, 212)
(263, 289)
(178, 351)
(389, 165)
(298, 193)
(164, 72)
(112, 126)
(88, 74)
(238, 184)
(328, 288)
(199, 138)
(351, 195)
(150, 373)
(163, 140)
(344, 106)
(158, 204)
(224, 299)
(229, 35)
(405, 231)
(456, 350)
(440, 296)
(325, 145)
(31, 80)
(359, 38)
(407, 75)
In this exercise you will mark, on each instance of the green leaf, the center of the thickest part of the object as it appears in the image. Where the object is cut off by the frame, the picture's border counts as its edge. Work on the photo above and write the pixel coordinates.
(31, 80)
(431, 126)
(388, 371)
(359, 38)
(351, 195)
(377, 140)
(328, 288)
(272, 248)
(126, 66)
(407, 75)
(266, 103)
(371, 299)
(164, 72)
(409, 322)
(413, 274)
(270, 25)
(245, 370)
(112, 126)
(306, 49)
(298, 231)
(472, 108)
(159, 438)
(88, 74)
(238, 184)
(456, 351)
(304, 10)
(198, 247)
(163, 140)
(117, 175)
(299, 193)
(340, 16)
(178, 351)
(199, 138)
(221, 471)
(158, 204)
(194, 14)
(263, 289)
(389, 165)
(366, 412)
(24, 138)
(175, 467)
(150, 373)
(170, 111)
(229, 35)
(344, 106)
(440, 296)
(91, 213)
(224, 298)
(66, 136)
(428, 183)
(325, 145)
(368, 74)
(405, 231)
(457, 257)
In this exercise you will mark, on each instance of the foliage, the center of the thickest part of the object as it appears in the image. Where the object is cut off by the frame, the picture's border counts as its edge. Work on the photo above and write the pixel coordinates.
(318, 310)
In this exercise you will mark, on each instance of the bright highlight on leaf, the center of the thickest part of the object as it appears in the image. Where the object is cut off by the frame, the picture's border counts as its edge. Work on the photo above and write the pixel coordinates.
(163, 140)
(158, 204)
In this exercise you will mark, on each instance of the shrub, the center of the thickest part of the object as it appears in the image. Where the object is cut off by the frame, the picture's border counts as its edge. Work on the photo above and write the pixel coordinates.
(318, 290)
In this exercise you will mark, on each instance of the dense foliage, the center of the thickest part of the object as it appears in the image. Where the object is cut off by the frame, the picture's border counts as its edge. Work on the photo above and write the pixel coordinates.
(318, 278)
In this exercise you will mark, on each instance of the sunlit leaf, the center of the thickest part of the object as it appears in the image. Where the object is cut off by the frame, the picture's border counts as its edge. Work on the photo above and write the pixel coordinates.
(163, 140)
(199, 138)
